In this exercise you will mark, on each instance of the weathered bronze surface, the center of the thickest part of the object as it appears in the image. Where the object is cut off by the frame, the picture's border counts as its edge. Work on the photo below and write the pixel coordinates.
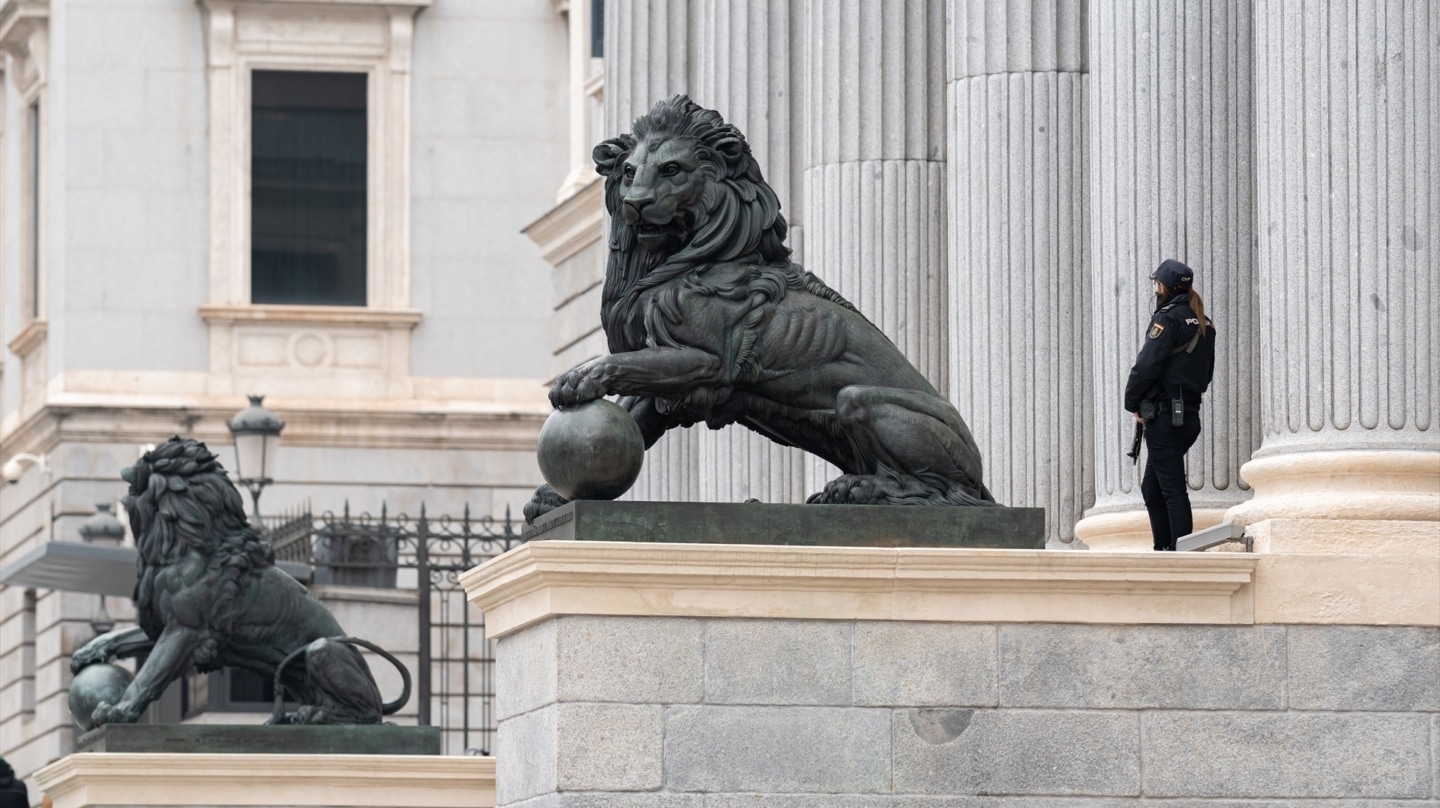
(208, 595)
(94, 684)
(382, 739)
(758, 523)
(593, 451)
(709, 321)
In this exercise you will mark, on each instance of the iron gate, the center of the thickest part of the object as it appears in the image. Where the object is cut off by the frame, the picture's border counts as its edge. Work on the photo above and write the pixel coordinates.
(454, 677)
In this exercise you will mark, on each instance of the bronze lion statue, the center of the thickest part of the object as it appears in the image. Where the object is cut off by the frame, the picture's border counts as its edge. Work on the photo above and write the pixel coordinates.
(708, 320)
(208, 595)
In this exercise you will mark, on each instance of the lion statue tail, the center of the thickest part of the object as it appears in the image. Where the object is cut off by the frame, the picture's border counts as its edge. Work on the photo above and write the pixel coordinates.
(387, 708)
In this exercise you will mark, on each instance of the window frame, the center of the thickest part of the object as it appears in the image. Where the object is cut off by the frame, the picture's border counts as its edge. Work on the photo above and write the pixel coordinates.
(25, 37)
(349, 36)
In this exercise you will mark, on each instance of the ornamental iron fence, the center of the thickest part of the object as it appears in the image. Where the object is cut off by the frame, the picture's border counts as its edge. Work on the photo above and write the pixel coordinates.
(454, 675)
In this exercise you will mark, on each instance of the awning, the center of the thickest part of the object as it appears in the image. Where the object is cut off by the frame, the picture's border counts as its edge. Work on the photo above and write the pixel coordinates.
(98, 569)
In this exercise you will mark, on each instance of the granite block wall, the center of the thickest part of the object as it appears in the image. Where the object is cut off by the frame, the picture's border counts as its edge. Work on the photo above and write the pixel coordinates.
(721, 713)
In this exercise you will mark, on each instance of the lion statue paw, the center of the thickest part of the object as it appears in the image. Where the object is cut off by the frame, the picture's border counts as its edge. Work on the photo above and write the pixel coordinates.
(107, 713)
(545, 500)
(91, 653)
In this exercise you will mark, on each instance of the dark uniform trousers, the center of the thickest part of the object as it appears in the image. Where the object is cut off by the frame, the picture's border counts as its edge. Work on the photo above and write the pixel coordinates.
(1167, 497)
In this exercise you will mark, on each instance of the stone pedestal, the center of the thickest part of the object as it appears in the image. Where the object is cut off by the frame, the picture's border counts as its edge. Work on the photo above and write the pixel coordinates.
(247, 739)
(1348, 149)
(1171, 176)
(792, 525)
(723, 675)
(126, 780)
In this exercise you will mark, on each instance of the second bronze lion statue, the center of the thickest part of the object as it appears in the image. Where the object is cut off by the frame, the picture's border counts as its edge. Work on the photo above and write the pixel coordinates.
(208, 595)
(708, 320)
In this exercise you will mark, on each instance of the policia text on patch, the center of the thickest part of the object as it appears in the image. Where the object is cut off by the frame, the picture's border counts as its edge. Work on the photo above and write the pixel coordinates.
(1170, 376)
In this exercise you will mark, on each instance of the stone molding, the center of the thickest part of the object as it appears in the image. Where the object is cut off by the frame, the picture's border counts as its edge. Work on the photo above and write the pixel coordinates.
(31, 345)
(475, 425)
(544, 579)
(302, 315)
(321, 348)
(424, 781)
(31, 336)
(572, 225)
(24, 35)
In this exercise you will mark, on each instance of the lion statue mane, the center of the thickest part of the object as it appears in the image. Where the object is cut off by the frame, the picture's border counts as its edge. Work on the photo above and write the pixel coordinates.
(737, 219)
(208, 595)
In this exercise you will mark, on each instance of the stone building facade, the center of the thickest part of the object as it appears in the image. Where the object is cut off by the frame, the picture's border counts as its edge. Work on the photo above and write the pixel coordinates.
(990, 181)
(993, 182)
(131, 151)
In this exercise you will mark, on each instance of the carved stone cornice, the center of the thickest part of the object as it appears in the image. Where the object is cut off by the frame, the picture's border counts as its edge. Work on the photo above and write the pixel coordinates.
(572, 225)
(31, 335)
(24, 35)
(545, 579)
(71, 418)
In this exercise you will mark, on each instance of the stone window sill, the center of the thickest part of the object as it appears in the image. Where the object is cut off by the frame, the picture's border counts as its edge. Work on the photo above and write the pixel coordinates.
(344, 315)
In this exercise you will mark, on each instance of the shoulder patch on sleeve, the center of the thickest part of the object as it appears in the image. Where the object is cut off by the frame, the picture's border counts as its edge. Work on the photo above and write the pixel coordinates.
(1156, 329)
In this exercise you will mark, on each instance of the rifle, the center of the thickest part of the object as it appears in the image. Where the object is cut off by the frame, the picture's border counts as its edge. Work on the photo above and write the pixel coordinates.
(1135, 445)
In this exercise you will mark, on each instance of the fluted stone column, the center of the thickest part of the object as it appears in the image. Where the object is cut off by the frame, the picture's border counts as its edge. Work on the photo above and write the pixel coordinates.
(748, 67)
(874, 176)
(1171, 125)
(649, 46)
(648, 49)
(875, 169)
(1019, 353)
(1348, 154)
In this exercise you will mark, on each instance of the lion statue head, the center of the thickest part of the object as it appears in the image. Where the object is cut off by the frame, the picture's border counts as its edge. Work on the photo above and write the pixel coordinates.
(683, 191)
(181, 502)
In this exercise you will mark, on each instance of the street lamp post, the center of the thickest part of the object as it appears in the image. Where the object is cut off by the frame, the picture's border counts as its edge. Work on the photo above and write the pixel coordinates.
(256, 432)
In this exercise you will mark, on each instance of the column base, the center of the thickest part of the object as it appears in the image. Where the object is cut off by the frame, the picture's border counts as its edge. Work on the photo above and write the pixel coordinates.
(1357, 485)
(1129, 531)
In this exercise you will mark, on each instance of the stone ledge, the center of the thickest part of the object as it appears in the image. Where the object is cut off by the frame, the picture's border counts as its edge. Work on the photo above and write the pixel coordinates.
(545, 579)
(83, 780)
(301, 315)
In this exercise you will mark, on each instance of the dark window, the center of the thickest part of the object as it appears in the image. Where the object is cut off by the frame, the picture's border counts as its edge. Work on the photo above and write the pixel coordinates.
(307, 188)
(597, 28)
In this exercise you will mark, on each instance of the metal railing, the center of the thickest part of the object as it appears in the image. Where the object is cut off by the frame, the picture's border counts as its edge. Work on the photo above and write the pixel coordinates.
(454, 679)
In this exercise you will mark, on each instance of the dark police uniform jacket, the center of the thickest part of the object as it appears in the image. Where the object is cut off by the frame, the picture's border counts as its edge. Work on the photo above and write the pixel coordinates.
(1164, 366)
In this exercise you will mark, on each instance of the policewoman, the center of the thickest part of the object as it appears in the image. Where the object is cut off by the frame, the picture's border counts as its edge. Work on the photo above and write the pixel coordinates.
(1170, 376)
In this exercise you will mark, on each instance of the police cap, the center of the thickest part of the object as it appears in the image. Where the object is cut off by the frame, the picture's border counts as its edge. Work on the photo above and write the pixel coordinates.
(1173, 274)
